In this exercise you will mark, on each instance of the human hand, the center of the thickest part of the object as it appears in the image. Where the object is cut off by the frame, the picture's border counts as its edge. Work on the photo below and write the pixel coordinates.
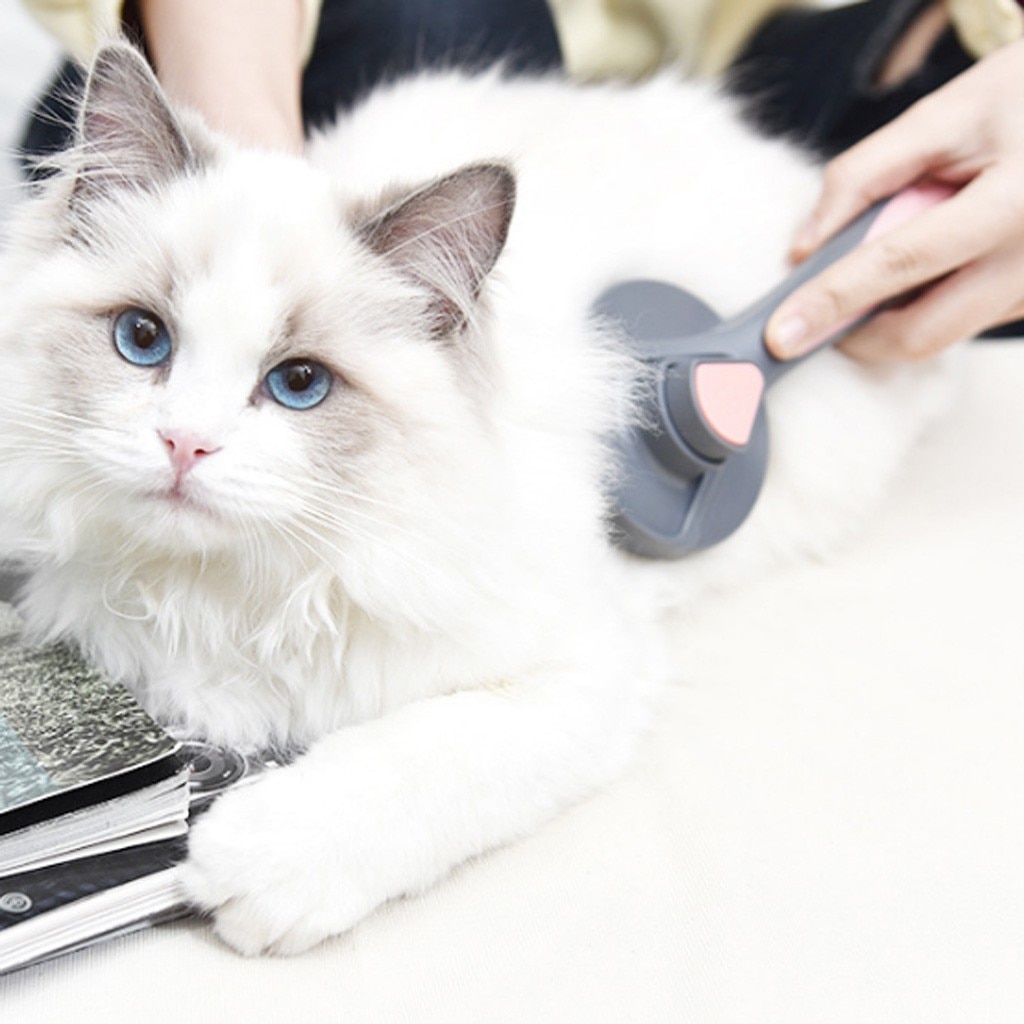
(956, 269)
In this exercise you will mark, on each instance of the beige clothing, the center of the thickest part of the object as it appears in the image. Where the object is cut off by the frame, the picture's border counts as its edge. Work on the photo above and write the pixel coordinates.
(600, 38)
(81, 25)
(633, 37)
(985, 25)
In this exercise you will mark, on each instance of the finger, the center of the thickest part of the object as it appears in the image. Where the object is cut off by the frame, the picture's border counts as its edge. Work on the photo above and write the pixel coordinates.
(939, 241)
(958, 307)
(891, 158)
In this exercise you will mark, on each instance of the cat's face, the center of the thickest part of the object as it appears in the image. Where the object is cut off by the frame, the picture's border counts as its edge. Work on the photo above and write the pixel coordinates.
(212, 349)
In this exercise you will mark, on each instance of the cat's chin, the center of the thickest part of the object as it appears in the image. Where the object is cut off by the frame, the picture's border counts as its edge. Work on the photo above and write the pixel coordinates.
(180, 522)
(176, 501)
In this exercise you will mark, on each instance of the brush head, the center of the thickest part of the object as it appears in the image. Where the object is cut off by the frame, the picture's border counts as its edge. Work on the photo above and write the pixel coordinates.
(691, 472)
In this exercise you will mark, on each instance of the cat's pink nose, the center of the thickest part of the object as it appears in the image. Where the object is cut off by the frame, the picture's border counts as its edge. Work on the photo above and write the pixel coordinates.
(185, 450)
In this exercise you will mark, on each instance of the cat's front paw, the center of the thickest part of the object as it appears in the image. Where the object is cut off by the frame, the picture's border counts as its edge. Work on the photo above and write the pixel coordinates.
(261, 865)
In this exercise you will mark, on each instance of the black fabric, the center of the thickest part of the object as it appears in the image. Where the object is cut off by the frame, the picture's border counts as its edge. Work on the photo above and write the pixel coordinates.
(809, 74)
(360, 43)
(50, 125)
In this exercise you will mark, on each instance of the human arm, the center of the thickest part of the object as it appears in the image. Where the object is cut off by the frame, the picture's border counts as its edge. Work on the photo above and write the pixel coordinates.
(961, 263)
(236, 62)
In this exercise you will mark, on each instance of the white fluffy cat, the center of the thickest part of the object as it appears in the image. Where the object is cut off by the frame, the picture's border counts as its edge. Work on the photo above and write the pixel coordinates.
(312, 453)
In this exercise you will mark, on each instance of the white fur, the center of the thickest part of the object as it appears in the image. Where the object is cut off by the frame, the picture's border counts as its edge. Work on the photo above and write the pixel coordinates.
(440, 620)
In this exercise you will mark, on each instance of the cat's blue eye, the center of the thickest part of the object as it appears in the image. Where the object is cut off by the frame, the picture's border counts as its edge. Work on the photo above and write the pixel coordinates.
(141, 337)
(298, 383)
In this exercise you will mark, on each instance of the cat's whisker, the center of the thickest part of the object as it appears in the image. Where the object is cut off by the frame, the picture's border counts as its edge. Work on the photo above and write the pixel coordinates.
(339, 489)
(94, 489)
(329, 509)
(43, 428)
(54, 457)
(39, 427)
(255, 549)
(338, 511)
(285, 532)
(26, 409)
(401, 554)
(336, 491)
(379, 537)
(42, 443)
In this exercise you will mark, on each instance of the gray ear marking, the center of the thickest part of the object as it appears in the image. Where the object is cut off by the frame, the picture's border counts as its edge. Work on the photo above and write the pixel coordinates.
(127, 135)
(447, 236)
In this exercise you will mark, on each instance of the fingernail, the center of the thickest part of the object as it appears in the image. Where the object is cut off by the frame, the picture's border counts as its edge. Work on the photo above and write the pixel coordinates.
(790, 336)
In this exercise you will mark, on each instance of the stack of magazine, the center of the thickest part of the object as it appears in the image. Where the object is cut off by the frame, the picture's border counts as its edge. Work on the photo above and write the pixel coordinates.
(95, 799)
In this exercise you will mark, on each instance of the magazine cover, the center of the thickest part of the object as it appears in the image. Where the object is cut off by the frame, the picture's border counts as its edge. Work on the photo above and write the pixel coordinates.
(69, 737)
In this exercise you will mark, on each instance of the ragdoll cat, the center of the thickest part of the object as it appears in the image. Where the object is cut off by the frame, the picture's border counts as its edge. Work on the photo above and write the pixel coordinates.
(313, 453)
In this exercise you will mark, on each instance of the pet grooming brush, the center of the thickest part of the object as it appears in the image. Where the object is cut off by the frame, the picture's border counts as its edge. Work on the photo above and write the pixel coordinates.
(691, 475)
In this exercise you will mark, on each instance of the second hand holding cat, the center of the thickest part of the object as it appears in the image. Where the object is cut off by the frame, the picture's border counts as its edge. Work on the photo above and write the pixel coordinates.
(963, 262)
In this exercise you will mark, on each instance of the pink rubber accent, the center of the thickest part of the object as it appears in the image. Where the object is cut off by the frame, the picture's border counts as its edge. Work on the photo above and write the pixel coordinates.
(728, 396)
(907, 205)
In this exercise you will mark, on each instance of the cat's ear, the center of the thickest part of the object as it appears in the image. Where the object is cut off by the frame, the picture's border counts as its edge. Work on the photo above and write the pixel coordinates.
(447, 236)
(127, 137)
